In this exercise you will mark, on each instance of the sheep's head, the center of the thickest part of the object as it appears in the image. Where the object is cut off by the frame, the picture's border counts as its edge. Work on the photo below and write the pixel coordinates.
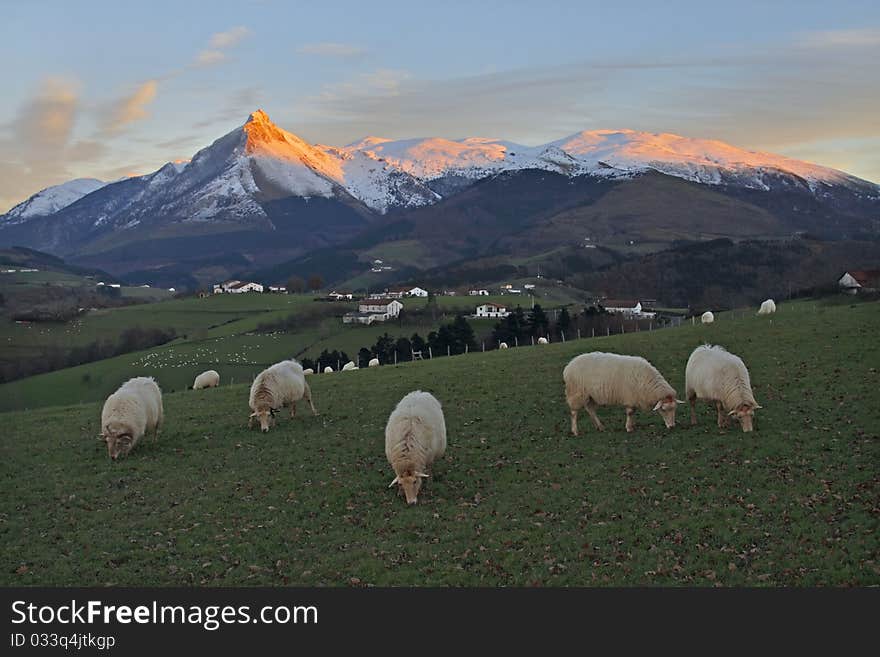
(410, 482)
(744, 414)
(118, 439)
(266, 416)
(666, 407)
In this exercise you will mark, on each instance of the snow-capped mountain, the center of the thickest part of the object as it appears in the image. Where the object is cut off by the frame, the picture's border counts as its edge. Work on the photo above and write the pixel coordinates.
(52, 199)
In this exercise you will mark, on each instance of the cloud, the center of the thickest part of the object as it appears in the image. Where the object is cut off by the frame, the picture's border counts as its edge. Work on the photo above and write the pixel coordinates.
(230, 37)
(331, 49)
(130, 108)
(856, 38)
(218, 44)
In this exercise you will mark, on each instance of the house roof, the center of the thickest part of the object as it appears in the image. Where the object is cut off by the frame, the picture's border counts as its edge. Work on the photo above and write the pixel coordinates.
(619, 303)
(865, 276)
(492, 305)
(378, 302)
(242, 284)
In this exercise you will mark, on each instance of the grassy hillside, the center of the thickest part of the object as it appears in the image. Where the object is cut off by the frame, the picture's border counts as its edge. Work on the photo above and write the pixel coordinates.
(516, 501)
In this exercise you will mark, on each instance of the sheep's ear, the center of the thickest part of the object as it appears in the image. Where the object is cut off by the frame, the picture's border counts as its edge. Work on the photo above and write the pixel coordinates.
(254, 414)
(657, 405)
(756, 406)
(393, 482)
(733, 412)
(678, 401)
(422, 474)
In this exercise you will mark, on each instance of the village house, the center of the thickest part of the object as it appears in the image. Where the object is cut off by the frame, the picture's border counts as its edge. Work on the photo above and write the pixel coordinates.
(631, 309)
(491, 310)
(478, 293)
(374, 310)
(278, 289)
(340, 296)
(237, 287)
(860, 280)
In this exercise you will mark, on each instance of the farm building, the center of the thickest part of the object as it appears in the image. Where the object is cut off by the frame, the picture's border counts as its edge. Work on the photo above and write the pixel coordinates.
(491, 310)
(478, 293)
(340, 296)
(384, 307)
(278, 289)
(401, 292)
(627, 308)
(860, 280)
(360, 318)
(237, 287)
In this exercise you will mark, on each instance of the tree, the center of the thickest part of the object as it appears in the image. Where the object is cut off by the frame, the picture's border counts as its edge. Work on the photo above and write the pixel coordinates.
(538, 322)
(364, 356)
(417, 343)
(564, 322)
(315, 282)
(296, 285)
(404, 349)
(462, 335)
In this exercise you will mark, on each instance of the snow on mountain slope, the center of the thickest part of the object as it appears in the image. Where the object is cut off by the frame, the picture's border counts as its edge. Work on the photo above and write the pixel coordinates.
(701, 160)
(52, 199)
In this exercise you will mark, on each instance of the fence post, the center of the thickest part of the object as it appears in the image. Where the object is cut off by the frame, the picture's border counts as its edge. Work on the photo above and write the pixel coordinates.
(484, 345)
(533, 340)
(608, 329)
(693, 320)
(562, 333)
(338, 366)
(593, 332)
(466, 348)
(621, 328)
(651, 327)
(447, 350)
(516, 340)
(395, 356)
(430, 354)
(579, 334)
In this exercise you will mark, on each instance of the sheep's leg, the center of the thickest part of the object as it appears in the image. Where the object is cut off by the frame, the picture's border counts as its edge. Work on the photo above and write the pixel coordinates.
(574, 422)
(292, 410)
(630, 420)
(722, 417)
(693, 402)
(251, 422)
(307, 395)
(591, 409)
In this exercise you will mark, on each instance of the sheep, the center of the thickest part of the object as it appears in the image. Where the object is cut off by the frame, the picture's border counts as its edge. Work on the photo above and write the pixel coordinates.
(209, 379)
(707, 317)
(349, 366)
(503, 345)
(414, 437)
(718, 376)
(543, 341)
(328, 370)
(131, 411)
(601, 379)
(767, 308)
(374, 362)
(308, 370)
(279, 385)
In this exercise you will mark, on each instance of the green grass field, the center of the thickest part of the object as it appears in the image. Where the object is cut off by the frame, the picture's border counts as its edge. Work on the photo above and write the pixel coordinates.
(516, 501)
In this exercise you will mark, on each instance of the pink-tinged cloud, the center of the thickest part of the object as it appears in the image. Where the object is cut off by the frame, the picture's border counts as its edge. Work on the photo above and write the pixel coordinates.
(131, 108)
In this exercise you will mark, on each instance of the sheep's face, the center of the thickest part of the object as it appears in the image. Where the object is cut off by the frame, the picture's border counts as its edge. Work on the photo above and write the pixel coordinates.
(666, 407)
(266, 417)
(410, 482)
(744, 414)
(119, 442)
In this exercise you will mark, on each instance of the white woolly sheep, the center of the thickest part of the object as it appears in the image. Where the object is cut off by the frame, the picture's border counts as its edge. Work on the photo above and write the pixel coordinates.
(374, 362)
(767, 308)
(543, 341)
(720, 377)
(349, 366)
(308, 370)
(131, 411)
(503, 345)
(328, 370)
(707, 317)
(414, 437)
(600, 379)
(275, 387)
(209, 379)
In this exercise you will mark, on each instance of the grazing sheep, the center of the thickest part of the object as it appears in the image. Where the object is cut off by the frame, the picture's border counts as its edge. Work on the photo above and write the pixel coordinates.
(209, 379)
(543, 341)
(308, 370)
(767, 308)
(131, 411)
(601, 379)
(503, 345)
(374, 362)
(414, 437)
(349, 366)
(707, 317)
(328, 370)
(720, 377)
(279, 385)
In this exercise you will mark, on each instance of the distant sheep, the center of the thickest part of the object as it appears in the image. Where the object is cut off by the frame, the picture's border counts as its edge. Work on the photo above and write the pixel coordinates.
(131, 411)
(308, 370)
(601, 379)
(707, 317)
(209, 379)
(282, 384)
(543, 341)
(328, 370)
(374, 362)
(720, 377)
(349, 366)
(503, 345)
(414, 437)
(767, 308)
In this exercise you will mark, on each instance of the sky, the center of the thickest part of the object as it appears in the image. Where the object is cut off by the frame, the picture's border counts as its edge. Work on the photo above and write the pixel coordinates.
(110, 89)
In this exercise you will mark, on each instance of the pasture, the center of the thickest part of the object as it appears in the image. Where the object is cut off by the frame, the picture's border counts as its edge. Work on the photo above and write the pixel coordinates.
(517, 501)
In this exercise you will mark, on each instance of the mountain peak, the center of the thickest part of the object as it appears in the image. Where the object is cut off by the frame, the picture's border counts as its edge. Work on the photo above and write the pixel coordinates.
(259, 116)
